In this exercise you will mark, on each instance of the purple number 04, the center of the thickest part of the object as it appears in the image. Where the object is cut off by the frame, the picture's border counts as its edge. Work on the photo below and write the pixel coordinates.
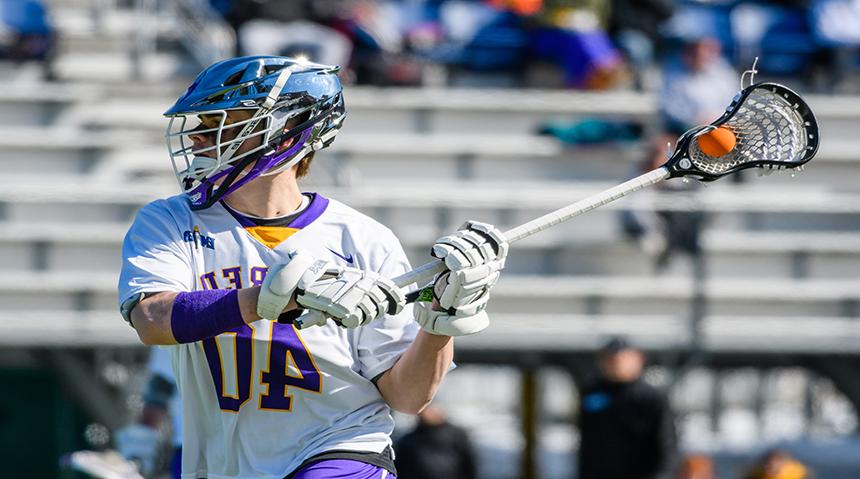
(285, 345)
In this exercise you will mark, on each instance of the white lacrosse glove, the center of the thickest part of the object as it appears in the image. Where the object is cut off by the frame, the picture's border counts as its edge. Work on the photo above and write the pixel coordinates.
(350, 296)
(140, 444)
(282, 280)
(474, 256)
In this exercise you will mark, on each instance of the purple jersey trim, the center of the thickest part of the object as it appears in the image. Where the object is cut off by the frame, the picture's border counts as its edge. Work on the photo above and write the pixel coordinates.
(205, 314)
(341, 469)
(176, 464)
(315, 209)
(243, 220)
(318, 205)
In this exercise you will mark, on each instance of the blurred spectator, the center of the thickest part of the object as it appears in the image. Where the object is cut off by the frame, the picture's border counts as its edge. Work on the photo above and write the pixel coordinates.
(634, 25)
(378, 31)
(291, 28)
(237, 12)
(574, 41)
(435, 449)
(777, 464)
(780, 35)
(143, 441)
(836, 29)
(366, 38)
(301, 38)
(626, 427)
(478, 37)
(696, 466)
(665, 232)
(520, 7)
(26, 34)
(697, 86)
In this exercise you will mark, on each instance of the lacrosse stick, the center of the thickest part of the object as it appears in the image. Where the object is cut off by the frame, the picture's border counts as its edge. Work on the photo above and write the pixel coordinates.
(770, 126)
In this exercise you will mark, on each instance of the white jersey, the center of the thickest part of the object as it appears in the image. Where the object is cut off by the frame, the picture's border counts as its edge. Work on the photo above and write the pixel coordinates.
(260, 400)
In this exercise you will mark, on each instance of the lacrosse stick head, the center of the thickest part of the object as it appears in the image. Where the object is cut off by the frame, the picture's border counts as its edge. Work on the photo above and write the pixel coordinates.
(774, 129)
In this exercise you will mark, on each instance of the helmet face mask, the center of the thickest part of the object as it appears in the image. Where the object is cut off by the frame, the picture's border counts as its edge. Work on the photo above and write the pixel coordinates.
(280, 112)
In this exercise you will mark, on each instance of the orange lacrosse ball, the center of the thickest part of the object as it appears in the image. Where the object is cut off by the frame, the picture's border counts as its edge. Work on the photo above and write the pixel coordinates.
(717, 142)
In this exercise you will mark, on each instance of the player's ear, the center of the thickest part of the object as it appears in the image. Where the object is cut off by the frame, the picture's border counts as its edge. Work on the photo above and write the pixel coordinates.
(288, 126)
(286, 144)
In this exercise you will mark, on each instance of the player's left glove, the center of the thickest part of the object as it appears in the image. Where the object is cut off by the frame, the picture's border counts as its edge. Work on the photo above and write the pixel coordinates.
(282, 279)
(474, 256)
(350, 296)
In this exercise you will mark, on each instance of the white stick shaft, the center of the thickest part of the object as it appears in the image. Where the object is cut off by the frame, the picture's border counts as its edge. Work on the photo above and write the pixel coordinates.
(583, 206)
(427, 271)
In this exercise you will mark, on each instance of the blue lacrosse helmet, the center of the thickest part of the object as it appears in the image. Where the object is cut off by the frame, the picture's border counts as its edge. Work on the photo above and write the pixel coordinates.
(236, 120)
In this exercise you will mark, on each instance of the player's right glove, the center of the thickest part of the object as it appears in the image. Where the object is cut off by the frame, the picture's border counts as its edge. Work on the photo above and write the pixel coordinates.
(281, 282)
(140, 444)
(474, 256)
(350, 296)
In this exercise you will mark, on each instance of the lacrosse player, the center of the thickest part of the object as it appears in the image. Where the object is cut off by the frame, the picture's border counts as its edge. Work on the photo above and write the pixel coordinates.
(142, 441)
(227, 270)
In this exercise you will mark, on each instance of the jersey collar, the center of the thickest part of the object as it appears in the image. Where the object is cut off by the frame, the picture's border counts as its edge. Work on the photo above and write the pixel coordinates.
(271, 235)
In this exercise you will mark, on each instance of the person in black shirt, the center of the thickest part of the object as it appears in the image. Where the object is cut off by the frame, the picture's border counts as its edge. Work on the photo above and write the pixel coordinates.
(626, 426)
(435, 449)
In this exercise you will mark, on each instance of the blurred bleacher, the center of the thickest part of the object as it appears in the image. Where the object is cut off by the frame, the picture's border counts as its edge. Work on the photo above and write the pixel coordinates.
(82, 154)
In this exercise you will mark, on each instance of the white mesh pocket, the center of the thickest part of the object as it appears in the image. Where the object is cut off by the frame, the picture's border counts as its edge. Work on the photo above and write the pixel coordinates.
(768, 127)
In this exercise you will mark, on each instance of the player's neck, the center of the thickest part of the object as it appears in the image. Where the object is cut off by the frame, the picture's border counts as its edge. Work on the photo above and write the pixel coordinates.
(267, 196)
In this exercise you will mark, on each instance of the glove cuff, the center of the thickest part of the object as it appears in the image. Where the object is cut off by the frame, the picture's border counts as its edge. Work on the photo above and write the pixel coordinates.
(441, 323)
(280, 284)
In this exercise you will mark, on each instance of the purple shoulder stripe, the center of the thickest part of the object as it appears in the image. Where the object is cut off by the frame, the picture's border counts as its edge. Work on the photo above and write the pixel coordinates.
(318, 205)
(315, 209)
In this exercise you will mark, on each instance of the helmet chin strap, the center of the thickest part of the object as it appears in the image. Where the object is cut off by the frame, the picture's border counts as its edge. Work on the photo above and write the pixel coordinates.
(312, 146)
